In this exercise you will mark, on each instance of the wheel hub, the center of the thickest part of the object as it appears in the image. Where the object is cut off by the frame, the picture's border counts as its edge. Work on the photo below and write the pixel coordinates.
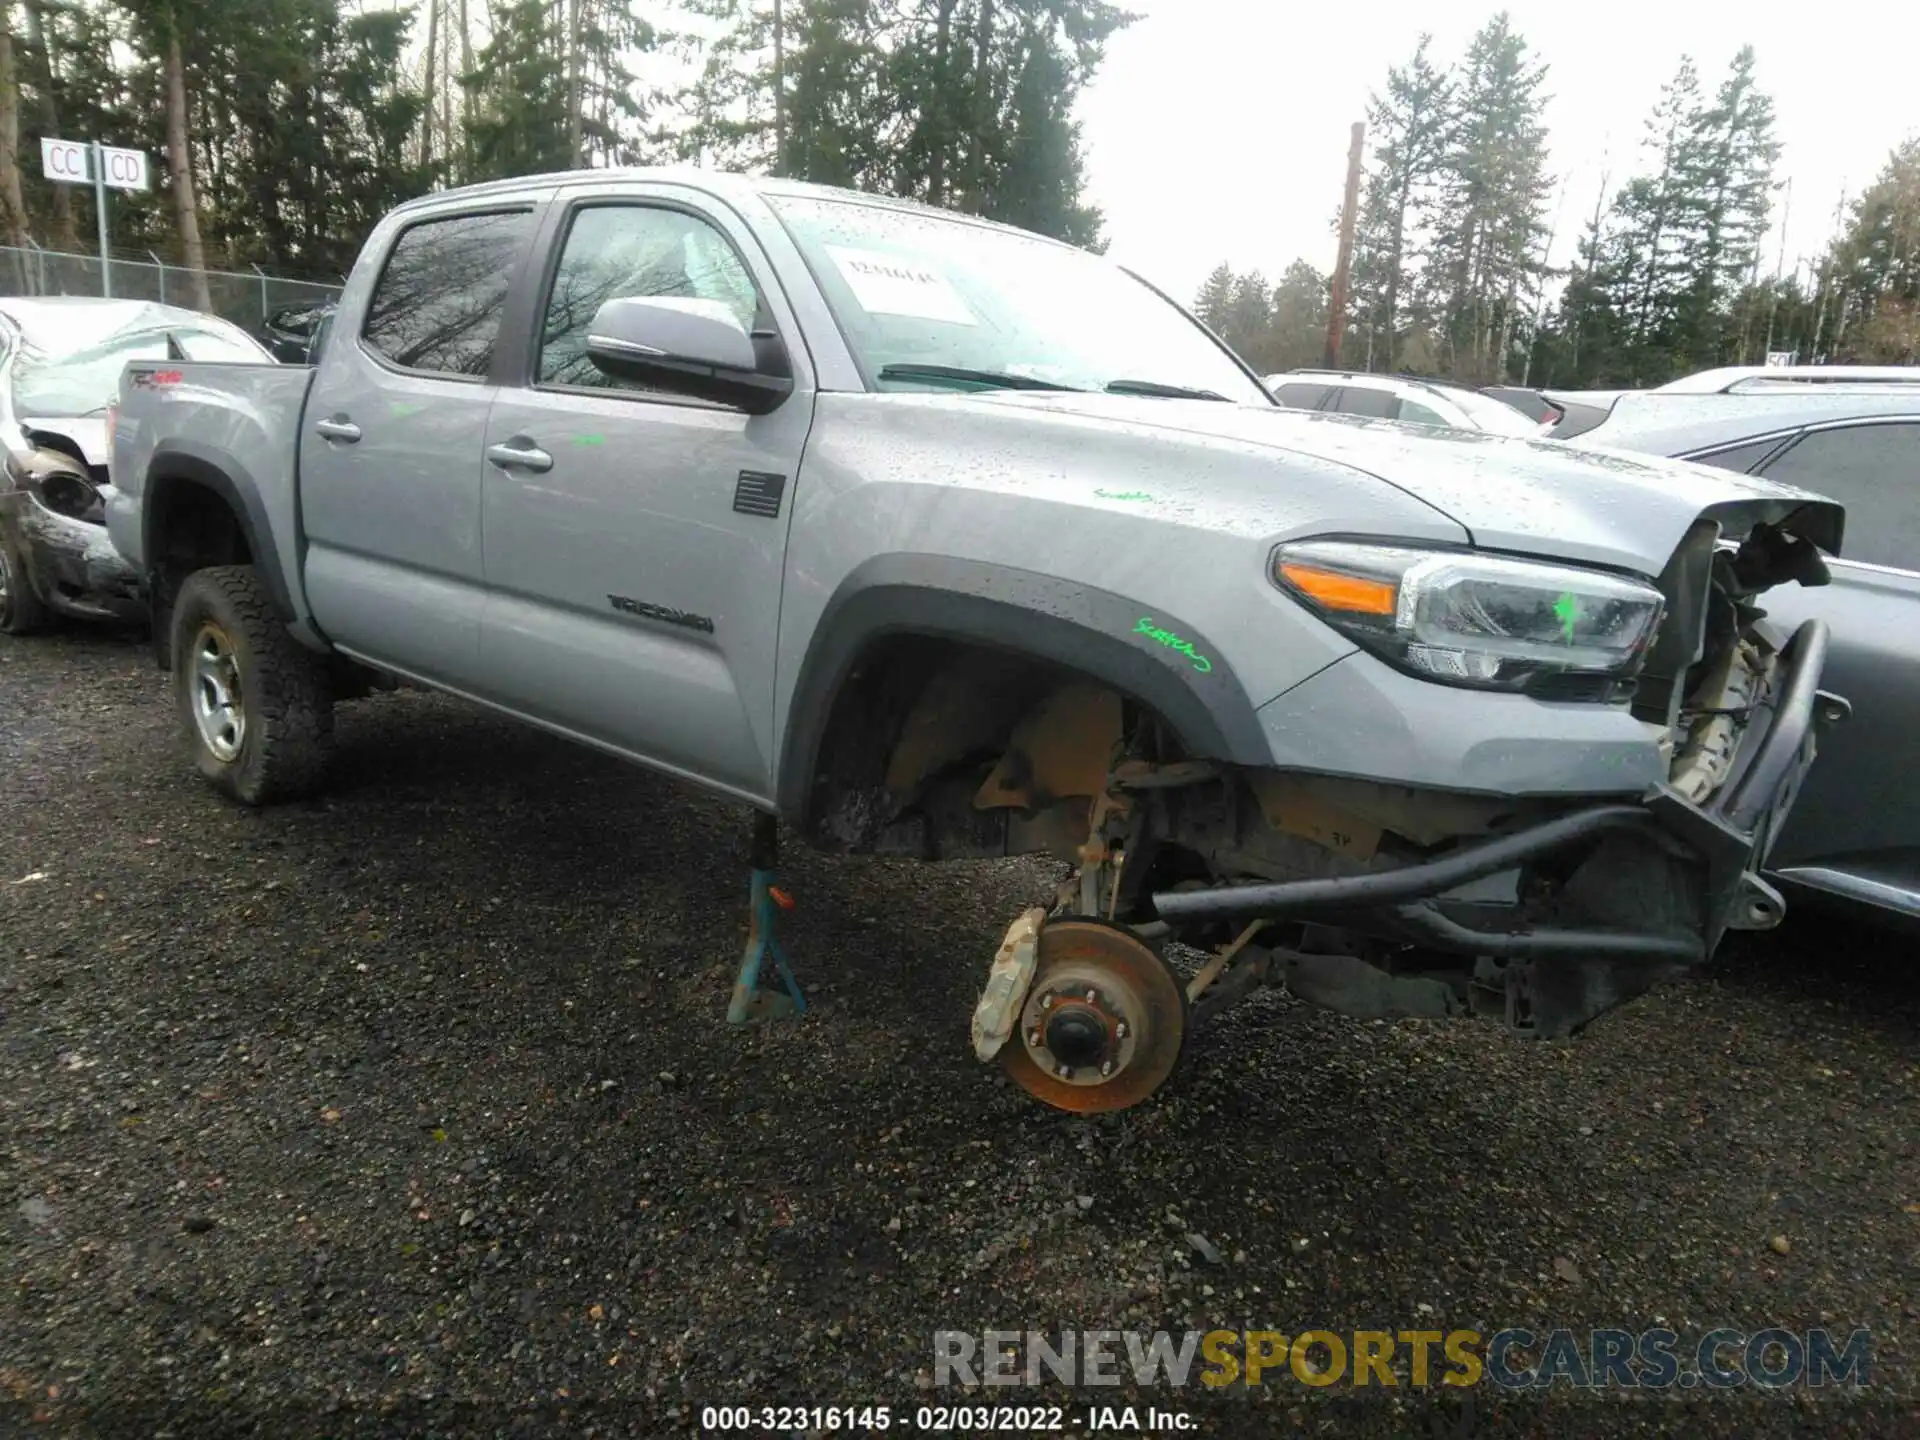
(219, 713)
(1077, 1036)
(1103, 1020)
(6, 580)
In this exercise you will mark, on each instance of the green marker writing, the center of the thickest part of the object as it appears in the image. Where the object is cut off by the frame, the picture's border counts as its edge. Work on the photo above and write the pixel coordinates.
(1567, 608)
(1145, 626)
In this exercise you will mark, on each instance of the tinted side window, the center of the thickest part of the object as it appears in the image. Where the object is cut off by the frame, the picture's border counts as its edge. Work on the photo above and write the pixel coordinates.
(437, 304)
(1380, 404)
(619, 252)
(1741, 457)
(1873, 470)
(1302, 395)
(1414, 413)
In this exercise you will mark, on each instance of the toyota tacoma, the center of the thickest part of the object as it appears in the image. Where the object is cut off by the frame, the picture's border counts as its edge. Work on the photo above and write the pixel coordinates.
(925, 536)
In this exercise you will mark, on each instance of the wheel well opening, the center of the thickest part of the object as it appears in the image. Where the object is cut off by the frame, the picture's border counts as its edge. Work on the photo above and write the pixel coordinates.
(941, 747)
(190, 527)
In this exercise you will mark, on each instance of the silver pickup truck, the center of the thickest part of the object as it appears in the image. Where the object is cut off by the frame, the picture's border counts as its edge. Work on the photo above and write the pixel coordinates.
(930, 537)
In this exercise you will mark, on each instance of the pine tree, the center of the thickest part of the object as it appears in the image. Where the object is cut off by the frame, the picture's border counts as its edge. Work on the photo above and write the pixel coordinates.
(965, 103)
(1409, 127)
(1653, 221)
(1728, 179)
(519, 84)
(1215, 298)
(1876, 267)
(1298, 330)
(1493, 194)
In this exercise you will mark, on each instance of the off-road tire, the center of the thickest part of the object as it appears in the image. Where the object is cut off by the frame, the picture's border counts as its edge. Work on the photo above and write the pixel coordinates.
(22, 612)
(286, 698)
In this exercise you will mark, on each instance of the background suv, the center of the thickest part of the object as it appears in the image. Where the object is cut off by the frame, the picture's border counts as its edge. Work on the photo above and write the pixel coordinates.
(1855, 832)
(1404, 398)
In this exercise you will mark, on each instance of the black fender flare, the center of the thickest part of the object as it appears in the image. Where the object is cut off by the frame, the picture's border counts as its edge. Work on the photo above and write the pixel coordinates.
(1092, 631)
(171, 466)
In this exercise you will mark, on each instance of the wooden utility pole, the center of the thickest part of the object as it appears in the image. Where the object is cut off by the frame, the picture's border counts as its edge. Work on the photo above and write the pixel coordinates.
(1349, 213)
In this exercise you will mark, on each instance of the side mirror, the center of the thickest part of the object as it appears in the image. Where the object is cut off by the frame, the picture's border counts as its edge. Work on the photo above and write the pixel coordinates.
(691, 347)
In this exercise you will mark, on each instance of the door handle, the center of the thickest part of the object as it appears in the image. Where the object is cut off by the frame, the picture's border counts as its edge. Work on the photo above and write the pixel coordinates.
(520, 454)
(341, 429)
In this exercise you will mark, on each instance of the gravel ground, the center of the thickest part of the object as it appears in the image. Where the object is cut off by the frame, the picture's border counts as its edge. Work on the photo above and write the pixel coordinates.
(414, 1111)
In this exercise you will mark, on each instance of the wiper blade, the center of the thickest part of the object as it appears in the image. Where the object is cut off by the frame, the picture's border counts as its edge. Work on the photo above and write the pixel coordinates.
(996, 378)
(1164, 392)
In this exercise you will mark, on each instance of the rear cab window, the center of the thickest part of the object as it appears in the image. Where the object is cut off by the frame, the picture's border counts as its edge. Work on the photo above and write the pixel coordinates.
(437, 305)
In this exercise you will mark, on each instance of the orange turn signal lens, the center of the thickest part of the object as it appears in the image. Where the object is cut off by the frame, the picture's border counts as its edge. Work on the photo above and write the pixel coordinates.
(1347, 593)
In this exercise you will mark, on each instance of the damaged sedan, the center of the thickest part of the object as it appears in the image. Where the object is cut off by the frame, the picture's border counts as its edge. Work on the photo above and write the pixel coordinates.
(60, 361)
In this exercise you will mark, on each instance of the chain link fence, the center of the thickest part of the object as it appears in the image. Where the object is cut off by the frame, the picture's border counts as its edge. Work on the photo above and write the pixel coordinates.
(247, 298)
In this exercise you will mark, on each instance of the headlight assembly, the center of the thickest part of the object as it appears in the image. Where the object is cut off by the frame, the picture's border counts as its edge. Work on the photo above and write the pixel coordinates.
(67, 494)
(1486, 621)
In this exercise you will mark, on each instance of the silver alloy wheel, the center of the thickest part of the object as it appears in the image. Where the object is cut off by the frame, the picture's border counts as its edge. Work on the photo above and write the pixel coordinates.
(6, 581)
(218, 709)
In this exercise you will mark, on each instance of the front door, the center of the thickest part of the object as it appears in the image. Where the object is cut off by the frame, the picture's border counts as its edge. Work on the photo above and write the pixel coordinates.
(390, 449)
(636, 540)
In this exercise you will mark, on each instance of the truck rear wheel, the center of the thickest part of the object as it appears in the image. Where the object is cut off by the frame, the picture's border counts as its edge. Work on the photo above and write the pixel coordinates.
(256, 705)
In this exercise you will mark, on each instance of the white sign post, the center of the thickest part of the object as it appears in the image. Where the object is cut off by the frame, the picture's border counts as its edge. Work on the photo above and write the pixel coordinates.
(79, 162)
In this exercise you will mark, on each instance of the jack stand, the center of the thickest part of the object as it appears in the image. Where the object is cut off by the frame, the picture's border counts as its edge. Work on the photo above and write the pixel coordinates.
(750, 1003)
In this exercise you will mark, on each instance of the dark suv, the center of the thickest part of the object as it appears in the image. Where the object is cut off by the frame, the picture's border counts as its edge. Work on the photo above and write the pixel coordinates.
(1855, 832)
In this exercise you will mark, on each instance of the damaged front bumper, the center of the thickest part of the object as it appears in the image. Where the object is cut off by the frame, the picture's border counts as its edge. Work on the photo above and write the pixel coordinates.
(71, 563)
(1571, 915)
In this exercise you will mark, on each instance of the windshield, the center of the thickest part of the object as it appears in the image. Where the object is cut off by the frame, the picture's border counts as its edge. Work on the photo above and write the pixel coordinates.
(62, 372)
(1491, 414)
(916, 294)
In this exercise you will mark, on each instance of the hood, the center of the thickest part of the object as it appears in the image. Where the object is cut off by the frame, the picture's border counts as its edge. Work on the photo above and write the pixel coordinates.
(89, 432)
(1513, 493)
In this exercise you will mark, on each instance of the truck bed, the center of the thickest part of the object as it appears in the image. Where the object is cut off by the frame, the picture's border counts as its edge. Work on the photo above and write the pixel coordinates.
(200, 422)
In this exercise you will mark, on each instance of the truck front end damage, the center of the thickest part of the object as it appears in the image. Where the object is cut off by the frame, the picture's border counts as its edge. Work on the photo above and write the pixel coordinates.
(1375, 897)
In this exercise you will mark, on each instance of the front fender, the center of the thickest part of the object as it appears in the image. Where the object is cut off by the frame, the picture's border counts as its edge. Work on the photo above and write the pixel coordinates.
(1095, 632)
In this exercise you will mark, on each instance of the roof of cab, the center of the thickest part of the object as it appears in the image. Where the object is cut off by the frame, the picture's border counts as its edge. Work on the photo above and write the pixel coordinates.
(724, 184)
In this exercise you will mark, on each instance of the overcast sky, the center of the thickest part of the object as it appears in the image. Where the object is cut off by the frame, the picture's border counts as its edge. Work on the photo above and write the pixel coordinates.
(1217, 129)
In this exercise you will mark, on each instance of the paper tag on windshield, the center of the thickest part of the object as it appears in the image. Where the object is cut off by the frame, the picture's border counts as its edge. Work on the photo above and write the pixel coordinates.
(892, 285)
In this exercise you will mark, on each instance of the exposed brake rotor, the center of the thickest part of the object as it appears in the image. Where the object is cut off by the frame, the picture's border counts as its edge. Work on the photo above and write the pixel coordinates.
(1103, 1020)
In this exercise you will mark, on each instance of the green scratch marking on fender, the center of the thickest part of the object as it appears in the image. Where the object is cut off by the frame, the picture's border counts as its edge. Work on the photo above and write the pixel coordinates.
(1123, 494)
(401, 409)
(589, 439)
(1145, 626)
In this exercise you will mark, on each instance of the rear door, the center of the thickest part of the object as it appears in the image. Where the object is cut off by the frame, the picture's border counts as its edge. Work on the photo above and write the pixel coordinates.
(391, 442)
(1860, 809)
(635, 539)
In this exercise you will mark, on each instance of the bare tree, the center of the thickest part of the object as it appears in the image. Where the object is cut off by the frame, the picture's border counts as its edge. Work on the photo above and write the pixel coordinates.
(576, 65)
(466, 89)
(40, 59)
(13, 205)
(433, 60)
(180, 169)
